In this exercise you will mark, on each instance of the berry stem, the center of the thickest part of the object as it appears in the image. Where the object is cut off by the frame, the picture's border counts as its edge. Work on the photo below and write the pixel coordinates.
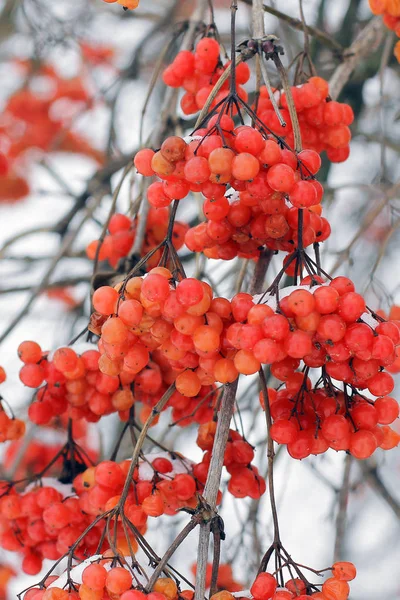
(140, 441)
(212, 483)
(234, 8)
(260, 271)
(182, 535)
(271, 454)
(342, 509)
(290, 102)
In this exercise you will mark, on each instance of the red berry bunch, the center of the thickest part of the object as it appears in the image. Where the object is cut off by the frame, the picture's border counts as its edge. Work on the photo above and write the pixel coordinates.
(73, 384)
(245, 480)
(272, 185)
(94, 387)
(324, 123)
(10, 428)
(149, 314)
(266, 586)
(393, 317)
(40, 522)
(44, 521)
(246, 230)
(325, 326)
(122, 232)
(309, 421)
(390, 11)
(197, 72)
(160, 486)
(105, 580)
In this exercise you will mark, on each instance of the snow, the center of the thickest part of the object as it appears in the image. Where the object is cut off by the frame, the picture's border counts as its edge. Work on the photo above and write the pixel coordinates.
(65, 489)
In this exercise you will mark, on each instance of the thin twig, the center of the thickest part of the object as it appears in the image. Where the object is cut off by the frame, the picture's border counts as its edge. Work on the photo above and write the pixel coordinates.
(212, 484)
(366, 42)
(341, 518)
(322, 36)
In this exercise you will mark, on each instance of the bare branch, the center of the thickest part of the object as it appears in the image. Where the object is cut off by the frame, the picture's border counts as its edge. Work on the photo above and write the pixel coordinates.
(366, 42)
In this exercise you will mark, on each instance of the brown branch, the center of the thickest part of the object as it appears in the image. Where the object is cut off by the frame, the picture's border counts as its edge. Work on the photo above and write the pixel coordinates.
(290, 102)
(366, 42)
(368, 219)
(323, 37)
(182, 535)
(212, 483)
(260, 270)
(372, 476)
(341, 518)
(68, 281)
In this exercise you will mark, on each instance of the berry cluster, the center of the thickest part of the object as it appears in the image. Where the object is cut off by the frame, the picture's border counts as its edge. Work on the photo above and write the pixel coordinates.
(245, 479)
(323, 325)
(310, 421)
(122, 232)
(10, 428)
(328, 327)
(102, 579)
(149, 314)
(271, 185)
(390, 11)
(324, 124)
(45, 521)
(33, 120)
(197, 72)
(90, 385)
(73, 383)
(266, 586)
(161, 485)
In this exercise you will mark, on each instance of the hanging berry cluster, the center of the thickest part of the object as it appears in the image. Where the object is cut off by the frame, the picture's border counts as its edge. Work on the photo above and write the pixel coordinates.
(165, 341)
(270, 185)
(324, 123)
(44, 521)
(390, 11)
(197, 72)
(245, 480)
(268, 586)
(102, 579)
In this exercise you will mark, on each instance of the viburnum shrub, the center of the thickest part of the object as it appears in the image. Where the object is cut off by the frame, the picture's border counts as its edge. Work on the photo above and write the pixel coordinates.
(305, 358)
